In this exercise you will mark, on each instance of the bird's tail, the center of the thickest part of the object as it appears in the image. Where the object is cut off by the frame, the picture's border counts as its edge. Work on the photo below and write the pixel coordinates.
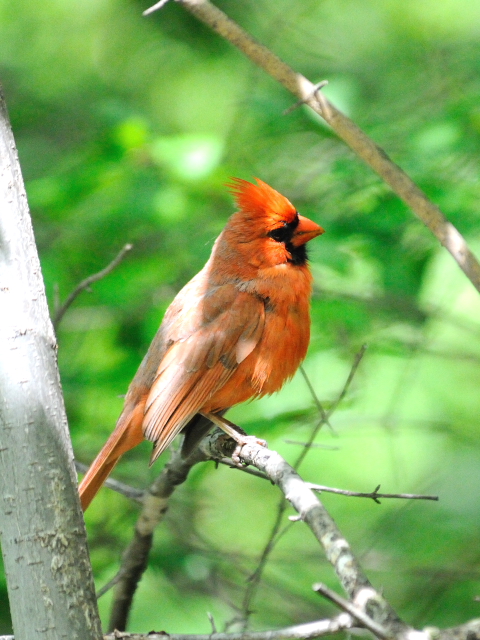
(127, 434)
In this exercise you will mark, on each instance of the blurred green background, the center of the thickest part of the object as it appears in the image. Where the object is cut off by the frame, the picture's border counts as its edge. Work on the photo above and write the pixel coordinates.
(127, 129)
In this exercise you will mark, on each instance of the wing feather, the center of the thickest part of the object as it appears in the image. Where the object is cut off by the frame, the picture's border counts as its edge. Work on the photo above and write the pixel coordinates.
(226, 328)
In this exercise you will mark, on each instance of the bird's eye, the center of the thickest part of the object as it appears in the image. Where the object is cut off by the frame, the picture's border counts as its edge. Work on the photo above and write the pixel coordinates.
(282, 234)
(285, 232)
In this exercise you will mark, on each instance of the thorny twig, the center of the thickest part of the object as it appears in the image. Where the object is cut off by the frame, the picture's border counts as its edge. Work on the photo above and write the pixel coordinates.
(138, 495)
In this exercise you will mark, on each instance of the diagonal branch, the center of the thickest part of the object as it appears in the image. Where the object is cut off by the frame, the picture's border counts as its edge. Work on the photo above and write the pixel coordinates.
(135, 558)
(84, 284)
(275, 534)
(314, 514)
(346, 129)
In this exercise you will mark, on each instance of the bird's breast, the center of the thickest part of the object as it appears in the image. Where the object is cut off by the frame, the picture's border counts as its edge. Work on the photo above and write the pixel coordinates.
(282, 346)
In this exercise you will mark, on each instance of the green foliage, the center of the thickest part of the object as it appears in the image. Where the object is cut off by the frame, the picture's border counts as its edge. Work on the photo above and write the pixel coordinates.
(127, 130)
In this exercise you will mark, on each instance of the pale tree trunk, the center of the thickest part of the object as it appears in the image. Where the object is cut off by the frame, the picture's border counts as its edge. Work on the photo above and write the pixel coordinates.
(43, 538)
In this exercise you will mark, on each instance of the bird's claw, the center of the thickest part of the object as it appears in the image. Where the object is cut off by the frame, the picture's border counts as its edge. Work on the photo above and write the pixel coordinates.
(240, 444)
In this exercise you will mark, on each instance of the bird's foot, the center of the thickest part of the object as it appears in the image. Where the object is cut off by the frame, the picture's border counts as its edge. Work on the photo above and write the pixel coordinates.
(243, 440)
(237, 434)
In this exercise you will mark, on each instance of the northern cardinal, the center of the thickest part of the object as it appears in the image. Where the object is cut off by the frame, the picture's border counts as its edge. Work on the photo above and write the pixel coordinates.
(239, 329)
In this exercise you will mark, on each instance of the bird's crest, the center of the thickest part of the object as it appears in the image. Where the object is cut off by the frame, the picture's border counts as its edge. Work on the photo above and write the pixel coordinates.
(261, 200)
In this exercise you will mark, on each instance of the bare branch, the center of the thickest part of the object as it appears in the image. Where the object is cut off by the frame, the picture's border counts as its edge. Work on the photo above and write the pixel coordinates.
(365, 620)
(306, 631)
(320, 408)
(154, 507)
(374, 495)
(84, 284)
(375, 157)
(314, 514)
(351, 375)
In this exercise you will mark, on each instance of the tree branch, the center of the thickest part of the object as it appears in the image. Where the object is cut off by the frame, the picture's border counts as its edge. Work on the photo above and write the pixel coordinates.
(346, 129)
(314, 514)
(282, 505)
(308, 631)
(154, 507)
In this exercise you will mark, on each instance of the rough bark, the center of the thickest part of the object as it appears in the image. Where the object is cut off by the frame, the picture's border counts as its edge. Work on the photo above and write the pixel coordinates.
(43, 537)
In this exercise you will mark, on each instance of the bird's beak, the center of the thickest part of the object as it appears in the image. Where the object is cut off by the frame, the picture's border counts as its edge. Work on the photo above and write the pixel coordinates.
(305, 231)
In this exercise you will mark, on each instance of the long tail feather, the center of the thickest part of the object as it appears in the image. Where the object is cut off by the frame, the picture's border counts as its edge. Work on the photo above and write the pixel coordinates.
(127, 434)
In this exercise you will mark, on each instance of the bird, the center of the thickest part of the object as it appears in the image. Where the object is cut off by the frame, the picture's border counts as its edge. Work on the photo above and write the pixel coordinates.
(238, 330)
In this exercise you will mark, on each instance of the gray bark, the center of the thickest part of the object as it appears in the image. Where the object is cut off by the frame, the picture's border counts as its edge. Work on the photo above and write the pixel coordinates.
(43, 537)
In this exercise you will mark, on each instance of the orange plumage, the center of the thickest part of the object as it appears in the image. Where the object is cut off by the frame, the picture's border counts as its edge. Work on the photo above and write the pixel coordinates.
(239, 329)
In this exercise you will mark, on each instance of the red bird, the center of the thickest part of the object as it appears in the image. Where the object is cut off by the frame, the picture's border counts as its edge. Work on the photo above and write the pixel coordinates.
(238, 330)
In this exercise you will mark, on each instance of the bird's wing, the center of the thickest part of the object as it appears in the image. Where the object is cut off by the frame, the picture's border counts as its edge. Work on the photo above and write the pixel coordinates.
(224, 329)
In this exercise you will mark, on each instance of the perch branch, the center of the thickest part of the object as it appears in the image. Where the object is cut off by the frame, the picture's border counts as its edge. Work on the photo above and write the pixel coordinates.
(84, 284)
(375, 157)
(282, 505)
(314, 514)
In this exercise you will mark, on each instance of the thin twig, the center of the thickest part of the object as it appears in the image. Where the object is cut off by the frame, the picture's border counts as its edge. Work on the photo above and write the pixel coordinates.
(84, 284)
(326, 416)
(212, 622)
(351, 375)
(120, 487)
(155, 7)
(110, 584)
(248, 470)
(319, 405)
(374, 495)
(347, 606)
(313, 445)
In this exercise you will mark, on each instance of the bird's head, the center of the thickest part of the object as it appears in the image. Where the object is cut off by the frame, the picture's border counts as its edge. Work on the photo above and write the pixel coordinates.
(267, 228)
